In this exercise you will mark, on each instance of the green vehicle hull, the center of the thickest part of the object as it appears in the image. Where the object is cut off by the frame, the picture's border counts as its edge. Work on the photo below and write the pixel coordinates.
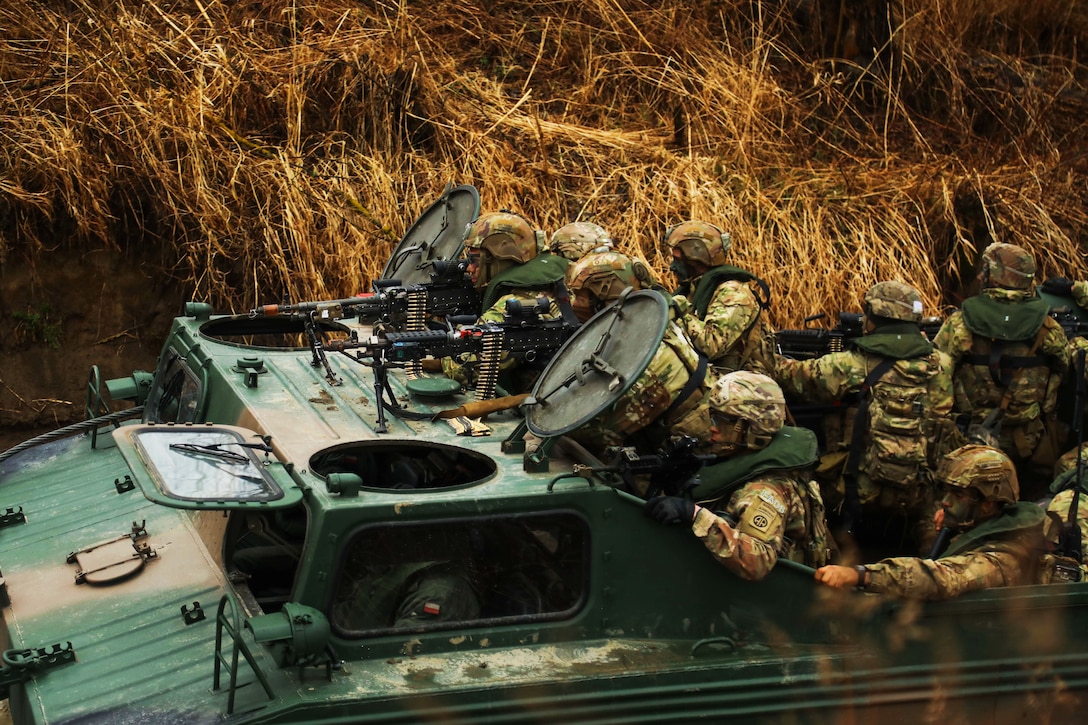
(587, 612)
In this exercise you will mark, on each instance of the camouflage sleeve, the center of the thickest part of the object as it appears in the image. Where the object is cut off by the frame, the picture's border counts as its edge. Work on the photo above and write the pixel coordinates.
(459, 369)
(953, 339)
(1080, 293)
(824, 378)
(1075, 346)
(934, 580)
(1056, 346)
(731, 312)
(1058, 513)
(750, 548)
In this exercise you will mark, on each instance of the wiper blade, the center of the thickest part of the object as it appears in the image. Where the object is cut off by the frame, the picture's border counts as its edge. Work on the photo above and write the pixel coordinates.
(212, 450)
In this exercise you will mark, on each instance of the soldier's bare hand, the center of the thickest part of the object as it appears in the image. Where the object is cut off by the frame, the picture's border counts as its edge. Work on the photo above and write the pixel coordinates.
(938, 520)
(840, 577)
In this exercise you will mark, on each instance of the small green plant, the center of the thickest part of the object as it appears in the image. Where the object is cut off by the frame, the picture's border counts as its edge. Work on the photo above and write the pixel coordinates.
(38, 326)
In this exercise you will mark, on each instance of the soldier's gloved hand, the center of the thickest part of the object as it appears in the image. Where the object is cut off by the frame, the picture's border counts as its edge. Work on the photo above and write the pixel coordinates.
(670, 510)
(680, 306)
(1058, 286)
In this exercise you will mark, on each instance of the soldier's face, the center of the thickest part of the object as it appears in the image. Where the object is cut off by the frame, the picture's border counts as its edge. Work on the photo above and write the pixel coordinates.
(725, 433)
(960, 506)
(473, 256)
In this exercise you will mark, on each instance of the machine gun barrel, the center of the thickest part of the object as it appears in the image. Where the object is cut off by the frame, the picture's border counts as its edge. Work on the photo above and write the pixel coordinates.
(325, 309)
(449, 292)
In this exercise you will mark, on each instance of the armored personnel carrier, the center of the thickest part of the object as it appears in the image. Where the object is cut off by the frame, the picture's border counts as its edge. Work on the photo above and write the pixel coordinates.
(289, 526)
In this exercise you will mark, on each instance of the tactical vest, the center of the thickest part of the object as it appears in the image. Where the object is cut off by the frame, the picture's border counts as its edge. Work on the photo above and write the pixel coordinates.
(1004, 367)
(755, 347)
(901, 425)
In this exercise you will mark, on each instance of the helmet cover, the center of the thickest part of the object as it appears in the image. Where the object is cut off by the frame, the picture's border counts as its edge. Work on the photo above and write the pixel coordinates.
(577, 239)
(596, 280)
(987, 470)
(1007, 266)
(894, 300)
(1068, 460)
(751, 397)
(504, 239)
(699, 242)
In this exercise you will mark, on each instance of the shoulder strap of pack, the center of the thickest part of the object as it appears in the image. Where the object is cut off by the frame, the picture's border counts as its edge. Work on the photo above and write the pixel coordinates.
(861, 423)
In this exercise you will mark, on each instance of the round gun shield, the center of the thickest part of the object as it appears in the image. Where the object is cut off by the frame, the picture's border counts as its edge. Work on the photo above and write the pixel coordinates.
(436, 235)
(598, 364)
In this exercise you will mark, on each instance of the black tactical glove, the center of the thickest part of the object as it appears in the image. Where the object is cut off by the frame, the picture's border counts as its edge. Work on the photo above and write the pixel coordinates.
(1059, 286)
(670, 510)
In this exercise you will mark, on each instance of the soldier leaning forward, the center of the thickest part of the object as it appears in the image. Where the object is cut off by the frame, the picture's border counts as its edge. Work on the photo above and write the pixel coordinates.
(722, 314)
(998, 543)
(506, 264)
(891, 422)
(758, 502)
(1009, 357)
(669, 390)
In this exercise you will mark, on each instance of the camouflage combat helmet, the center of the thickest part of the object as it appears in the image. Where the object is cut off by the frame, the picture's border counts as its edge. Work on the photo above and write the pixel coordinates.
(1068, 460)
(894, 300)
(577, 239)
(504, 239)
(753, 398)
(987, 470)
(699, 242)
(596, 280)
(1007, 266)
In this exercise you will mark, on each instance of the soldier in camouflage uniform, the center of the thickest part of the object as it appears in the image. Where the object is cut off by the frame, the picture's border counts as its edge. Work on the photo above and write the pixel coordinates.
(505, 263)
(1077, 292)
(1063, 487)
(722, 314)
(890, 423)
(1009, 357)
(670, 390)
(758, 502)
(998, 543)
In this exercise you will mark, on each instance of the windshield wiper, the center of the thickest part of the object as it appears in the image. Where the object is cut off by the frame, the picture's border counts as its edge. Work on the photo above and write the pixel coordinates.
(212, 450)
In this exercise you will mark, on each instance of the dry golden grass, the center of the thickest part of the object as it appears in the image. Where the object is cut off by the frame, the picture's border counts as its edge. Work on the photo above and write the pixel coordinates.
(284, 147)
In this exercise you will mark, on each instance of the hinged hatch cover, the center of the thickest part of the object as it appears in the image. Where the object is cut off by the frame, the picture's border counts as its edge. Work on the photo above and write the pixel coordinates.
(115, 559)
(598, 364)
(206, 467)
(436, 235)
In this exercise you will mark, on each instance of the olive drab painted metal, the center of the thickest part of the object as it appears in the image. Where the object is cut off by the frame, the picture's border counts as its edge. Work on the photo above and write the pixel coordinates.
(435, 236)
(311, 566)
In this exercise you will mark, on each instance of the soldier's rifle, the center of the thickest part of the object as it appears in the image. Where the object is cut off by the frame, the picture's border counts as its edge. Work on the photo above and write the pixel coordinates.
(672, 471)
(812, 341)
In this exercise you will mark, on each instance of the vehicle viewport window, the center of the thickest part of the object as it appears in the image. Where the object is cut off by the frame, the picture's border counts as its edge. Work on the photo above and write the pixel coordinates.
(176, 394)
(453, 574)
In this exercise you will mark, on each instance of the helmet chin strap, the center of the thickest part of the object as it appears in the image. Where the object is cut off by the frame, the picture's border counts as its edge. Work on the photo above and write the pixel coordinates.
(733, 439)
